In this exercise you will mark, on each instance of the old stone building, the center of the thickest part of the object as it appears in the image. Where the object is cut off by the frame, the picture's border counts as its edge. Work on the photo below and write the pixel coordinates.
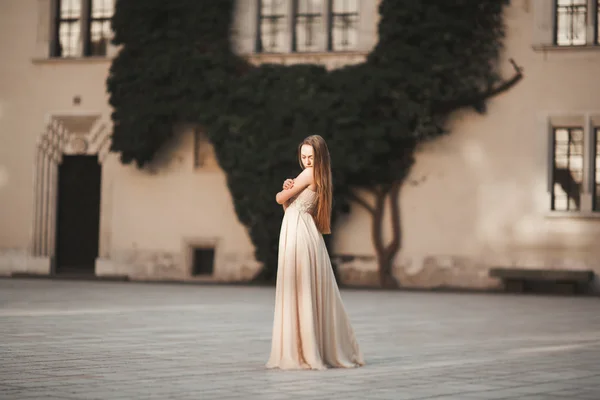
(518, 186)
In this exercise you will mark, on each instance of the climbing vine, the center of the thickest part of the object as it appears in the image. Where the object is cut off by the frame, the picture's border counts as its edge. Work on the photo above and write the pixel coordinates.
(177, 65)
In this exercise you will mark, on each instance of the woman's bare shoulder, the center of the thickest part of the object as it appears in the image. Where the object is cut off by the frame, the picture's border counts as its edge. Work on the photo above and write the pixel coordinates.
(307, 173)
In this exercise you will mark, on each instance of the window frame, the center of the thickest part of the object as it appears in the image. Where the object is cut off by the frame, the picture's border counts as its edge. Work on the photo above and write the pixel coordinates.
(320, 15)
(591, 28)
(597, 27)
(569, 129)
(259, 47)
(291, 33)
(595, 167)
(589, 123)
(57, 22)
(87, 42)
(556, 20)
(84, 38)
(331, 16)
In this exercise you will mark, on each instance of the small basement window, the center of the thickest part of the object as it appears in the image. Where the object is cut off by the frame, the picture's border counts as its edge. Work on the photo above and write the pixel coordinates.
(203, 261)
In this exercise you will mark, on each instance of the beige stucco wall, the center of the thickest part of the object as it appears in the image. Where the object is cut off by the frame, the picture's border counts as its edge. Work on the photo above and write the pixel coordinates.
(155, 214)
(476, 198)
(149, 217)
(31, 91)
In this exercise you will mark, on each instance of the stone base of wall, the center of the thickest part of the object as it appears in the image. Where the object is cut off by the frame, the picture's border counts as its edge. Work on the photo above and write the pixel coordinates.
(453, 272)
(236, 267)
(427, 272)
(19, 262)
(156, 265)
(141, 264)
(444, 272)
(357, 270)
(424, 272)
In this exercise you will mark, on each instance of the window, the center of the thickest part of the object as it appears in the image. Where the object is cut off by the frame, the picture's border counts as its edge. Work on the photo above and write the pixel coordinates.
(597, 21)
(68, 30)
(204, 156)
(573, 18)
(308, 22)
(596, 186)
(567, 169)
(98, 34)
(201, 149)
(312, 25)
(82, 28)
(574, 163)
(344, 24)
(271, 38)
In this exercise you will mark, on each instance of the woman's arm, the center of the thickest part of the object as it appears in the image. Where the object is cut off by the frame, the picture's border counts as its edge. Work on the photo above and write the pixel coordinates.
(300, 183)
(288, 184)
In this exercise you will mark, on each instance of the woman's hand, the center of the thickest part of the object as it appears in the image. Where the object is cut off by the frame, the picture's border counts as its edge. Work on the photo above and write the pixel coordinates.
(288, 184)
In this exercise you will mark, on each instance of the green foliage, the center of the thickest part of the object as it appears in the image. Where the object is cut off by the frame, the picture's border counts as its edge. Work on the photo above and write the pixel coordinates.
(177, 66)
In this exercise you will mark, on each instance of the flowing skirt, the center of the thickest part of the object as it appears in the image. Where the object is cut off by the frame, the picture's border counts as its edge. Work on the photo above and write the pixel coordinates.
(311, 329)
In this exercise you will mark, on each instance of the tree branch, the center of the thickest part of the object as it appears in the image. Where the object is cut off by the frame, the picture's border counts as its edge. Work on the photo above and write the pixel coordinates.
(482, 96)
(504, 86)
(353, 196)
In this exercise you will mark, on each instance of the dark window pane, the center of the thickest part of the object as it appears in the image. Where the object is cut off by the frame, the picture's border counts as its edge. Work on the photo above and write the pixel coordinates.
(344, 25)
(203, 261)
(568, 169)
(309, 20)
(272, 26)
(571, 22)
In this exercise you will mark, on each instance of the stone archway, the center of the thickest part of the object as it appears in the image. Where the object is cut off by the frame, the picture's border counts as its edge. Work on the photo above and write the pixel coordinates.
(68, 134)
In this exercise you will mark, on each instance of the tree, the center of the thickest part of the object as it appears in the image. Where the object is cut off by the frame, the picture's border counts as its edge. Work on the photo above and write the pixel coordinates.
(432, 58)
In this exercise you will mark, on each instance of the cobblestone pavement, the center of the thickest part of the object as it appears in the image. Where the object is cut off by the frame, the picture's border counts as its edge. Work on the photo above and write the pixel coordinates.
(97, 340)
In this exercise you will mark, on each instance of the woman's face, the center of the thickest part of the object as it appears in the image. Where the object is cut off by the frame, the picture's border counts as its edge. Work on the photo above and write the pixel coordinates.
(307, 156)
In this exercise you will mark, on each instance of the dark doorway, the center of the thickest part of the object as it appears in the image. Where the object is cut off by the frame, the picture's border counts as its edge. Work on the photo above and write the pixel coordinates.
(78, 218)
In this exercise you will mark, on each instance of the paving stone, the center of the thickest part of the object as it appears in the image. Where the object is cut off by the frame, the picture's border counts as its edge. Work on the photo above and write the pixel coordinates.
(101, 340)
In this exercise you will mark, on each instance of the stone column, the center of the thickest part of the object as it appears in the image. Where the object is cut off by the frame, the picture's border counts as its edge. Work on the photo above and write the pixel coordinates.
(37, 182)
(45, 196)
(53, 183)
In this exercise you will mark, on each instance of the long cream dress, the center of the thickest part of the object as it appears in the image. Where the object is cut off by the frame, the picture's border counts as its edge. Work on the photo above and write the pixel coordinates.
(310, 329)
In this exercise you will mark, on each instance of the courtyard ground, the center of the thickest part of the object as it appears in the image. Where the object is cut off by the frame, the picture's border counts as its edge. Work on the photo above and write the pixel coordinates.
(98, 340)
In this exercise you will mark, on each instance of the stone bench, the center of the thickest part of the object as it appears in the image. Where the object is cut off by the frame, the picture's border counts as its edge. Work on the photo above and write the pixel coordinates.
(522, 280)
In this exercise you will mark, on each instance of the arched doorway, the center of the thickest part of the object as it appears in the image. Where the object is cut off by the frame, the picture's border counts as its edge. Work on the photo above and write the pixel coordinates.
(68, 177)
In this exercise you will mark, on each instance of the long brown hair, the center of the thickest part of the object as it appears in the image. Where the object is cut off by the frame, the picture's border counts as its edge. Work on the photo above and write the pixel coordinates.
(322, 175)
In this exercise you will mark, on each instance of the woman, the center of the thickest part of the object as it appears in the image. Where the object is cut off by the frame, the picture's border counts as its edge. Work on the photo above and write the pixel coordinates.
(310, 329)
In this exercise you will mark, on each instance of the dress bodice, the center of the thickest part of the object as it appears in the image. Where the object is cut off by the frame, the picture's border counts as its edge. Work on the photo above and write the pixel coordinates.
(305, 201)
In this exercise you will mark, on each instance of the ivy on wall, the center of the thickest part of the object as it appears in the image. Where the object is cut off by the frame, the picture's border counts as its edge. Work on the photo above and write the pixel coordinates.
(432, 58)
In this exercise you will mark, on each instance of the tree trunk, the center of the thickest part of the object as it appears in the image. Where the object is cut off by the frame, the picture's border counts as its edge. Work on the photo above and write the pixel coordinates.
(385, 253)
